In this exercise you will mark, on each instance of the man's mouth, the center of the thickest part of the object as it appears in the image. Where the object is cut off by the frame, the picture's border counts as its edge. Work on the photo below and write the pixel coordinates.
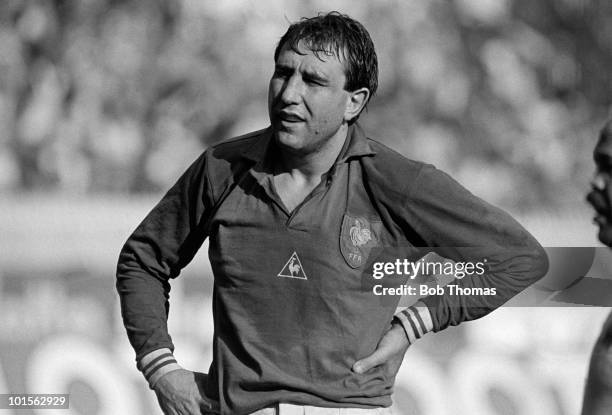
(289, 117)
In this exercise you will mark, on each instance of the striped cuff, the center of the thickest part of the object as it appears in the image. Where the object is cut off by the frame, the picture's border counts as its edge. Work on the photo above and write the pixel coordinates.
(156, 364)
(416, 321)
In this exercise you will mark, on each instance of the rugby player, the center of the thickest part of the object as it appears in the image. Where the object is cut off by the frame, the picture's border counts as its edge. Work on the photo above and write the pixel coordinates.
(292, 214)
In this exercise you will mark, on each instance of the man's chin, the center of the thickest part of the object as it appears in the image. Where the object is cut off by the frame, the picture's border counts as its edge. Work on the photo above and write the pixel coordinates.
(289, 141)
(605, 234)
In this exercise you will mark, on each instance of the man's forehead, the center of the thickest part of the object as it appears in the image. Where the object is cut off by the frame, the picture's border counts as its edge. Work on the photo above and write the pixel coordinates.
(603, 151)
(326, 56)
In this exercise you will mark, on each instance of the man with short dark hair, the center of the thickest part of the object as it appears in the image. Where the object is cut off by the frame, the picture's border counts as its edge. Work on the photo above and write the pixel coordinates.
(598, 393)
(294, 214)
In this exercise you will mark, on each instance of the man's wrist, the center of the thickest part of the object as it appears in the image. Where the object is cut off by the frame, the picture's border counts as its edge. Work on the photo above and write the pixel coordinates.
(416, 321)
(156, 364)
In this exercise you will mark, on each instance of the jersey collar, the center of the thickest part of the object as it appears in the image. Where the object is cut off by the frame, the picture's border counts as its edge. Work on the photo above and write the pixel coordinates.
(256, 152)
(356, 145)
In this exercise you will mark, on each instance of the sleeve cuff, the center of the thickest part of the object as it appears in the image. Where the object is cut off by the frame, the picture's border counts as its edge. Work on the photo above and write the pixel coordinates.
(156, 364)
(416, 321)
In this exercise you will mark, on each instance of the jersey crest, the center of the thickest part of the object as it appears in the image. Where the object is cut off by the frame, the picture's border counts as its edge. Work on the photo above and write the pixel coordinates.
(357, 238)
(293, 268)
(360, 233)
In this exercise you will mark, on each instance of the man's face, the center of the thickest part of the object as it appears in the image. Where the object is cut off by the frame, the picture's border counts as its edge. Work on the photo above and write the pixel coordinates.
(600, 196)
(307, 102)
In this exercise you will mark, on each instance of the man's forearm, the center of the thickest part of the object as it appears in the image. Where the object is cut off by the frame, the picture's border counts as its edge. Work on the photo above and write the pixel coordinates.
(144, 308)
(509, 270)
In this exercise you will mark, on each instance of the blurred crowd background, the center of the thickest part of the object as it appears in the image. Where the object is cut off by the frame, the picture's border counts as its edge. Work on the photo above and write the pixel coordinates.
(101, 96)
(103, 103)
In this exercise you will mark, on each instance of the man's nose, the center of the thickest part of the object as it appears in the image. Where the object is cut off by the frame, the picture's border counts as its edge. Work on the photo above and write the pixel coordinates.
(292, 90)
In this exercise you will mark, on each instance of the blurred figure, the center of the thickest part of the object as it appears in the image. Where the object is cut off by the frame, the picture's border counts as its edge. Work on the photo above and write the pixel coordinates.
(598, 393)
(601, 195)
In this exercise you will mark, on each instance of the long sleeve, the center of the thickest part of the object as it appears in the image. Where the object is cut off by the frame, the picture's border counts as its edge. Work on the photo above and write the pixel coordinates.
(462, 227)
(164, 243)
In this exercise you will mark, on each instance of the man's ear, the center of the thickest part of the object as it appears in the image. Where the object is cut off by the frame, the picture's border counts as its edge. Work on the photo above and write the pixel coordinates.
(356, 102)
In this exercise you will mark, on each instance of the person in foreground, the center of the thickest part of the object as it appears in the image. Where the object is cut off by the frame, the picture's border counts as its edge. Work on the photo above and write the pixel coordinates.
(598, 392)
(292, 214)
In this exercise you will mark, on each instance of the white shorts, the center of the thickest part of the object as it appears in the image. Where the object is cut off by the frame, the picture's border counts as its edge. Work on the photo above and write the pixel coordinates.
(289, 409)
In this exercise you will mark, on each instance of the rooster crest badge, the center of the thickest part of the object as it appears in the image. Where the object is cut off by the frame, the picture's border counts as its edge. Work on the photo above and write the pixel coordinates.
(357, 238)
(360, 234)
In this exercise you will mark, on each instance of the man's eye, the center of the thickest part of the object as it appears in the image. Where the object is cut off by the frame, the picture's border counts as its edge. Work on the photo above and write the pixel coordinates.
(281, 73)
(312, 81)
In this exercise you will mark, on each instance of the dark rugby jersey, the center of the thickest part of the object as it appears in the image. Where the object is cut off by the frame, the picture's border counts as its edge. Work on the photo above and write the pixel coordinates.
(291, 304)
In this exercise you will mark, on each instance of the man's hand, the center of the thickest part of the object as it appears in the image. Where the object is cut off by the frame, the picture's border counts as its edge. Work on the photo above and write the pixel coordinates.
(389, 353)
(181, 392)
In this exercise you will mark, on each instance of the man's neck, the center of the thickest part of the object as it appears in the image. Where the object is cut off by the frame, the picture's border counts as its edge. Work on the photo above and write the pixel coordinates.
(314, 164)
